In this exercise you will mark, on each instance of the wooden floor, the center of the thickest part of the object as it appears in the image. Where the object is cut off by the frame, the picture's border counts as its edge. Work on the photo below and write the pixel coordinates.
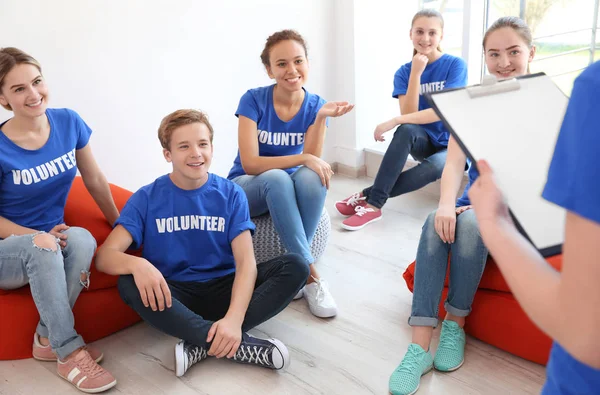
(354, 353)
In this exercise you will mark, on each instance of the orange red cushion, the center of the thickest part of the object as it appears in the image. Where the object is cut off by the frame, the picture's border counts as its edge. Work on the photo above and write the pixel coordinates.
(99, 311)
(496, 316)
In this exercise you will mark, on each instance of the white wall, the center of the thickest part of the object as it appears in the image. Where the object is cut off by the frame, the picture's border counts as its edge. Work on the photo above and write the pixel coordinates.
(382, 45)
(373, 42)
(342, 62)
(123, 65)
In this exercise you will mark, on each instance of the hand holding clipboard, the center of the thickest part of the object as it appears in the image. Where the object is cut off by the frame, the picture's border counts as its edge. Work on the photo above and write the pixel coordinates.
(514, 125)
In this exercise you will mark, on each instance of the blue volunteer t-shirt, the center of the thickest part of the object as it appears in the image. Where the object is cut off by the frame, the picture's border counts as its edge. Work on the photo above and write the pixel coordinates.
(573, 184)
(34, 184)
(445, 73)
(185, 234)
(276, 137)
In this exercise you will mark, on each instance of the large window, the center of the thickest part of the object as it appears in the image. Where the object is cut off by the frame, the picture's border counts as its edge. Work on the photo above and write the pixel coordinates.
(564, 33)
(452, 11)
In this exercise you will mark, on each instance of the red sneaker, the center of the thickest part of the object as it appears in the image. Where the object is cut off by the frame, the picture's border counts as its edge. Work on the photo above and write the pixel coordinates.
(348, 206)
(363, 216)
(85, 374)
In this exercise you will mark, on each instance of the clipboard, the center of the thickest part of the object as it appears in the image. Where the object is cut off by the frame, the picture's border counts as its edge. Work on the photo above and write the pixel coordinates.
(514, 125)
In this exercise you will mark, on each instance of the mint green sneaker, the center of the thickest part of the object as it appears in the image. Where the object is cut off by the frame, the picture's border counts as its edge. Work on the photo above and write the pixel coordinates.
(406, 378)
(450, 354)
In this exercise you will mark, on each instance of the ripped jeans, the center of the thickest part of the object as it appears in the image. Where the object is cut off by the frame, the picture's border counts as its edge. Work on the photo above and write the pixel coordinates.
(55, 277)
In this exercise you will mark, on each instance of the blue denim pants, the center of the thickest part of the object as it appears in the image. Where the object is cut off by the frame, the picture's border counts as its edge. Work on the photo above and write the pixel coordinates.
(294, 201)
(391, 181)
(468, 257)
(55, 277)
(198, 305)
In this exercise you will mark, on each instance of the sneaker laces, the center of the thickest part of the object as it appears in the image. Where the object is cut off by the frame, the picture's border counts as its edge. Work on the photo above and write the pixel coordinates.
(360, 210)
(451, 339)
(354, 199)
(253, 354)
(195, 354)
(321, 290)
(410, 361)
(89, 366)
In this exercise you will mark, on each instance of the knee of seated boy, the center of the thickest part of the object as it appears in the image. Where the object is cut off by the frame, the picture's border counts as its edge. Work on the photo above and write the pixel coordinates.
(127, 288)
(298, 267)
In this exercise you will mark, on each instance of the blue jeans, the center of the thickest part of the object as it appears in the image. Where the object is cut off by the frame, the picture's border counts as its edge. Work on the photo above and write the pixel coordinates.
(55, 279)
(294, 201)
(391, 181)
(468, 257)
(197, 305)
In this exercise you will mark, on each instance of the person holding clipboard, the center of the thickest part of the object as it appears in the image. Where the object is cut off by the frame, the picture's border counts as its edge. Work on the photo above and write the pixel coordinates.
(452, 231)
(565, 305)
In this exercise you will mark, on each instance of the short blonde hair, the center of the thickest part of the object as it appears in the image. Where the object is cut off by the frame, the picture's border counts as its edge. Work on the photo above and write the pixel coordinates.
(180, 118)
(11, 57)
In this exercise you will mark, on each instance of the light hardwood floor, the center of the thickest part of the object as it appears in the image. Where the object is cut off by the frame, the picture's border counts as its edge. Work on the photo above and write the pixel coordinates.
(354, 353)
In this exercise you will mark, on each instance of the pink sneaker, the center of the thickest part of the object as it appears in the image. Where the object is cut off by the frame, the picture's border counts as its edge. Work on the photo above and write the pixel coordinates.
(363, 216)
(45, 353)
(348, 206)
(85, 374)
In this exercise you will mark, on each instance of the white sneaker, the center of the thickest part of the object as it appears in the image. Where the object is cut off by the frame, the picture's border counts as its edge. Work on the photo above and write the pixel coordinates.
(300, 294)
(320, 301)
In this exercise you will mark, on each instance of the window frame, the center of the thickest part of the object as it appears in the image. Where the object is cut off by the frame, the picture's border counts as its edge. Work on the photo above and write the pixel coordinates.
(476, 21)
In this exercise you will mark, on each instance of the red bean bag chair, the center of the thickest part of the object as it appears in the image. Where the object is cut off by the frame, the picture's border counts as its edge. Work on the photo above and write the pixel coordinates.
(496, 317)
(99, 310)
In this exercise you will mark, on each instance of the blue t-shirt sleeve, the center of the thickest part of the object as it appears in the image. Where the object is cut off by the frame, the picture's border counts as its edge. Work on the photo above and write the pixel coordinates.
(575, 170)
(83, 131)
(133, 217)
(457, 75)
(248, 107)
(401, 82)
(239, 219)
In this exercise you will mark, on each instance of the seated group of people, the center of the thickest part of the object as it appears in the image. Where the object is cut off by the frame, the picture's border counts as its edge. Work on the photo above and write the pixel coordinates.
(197, 279)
